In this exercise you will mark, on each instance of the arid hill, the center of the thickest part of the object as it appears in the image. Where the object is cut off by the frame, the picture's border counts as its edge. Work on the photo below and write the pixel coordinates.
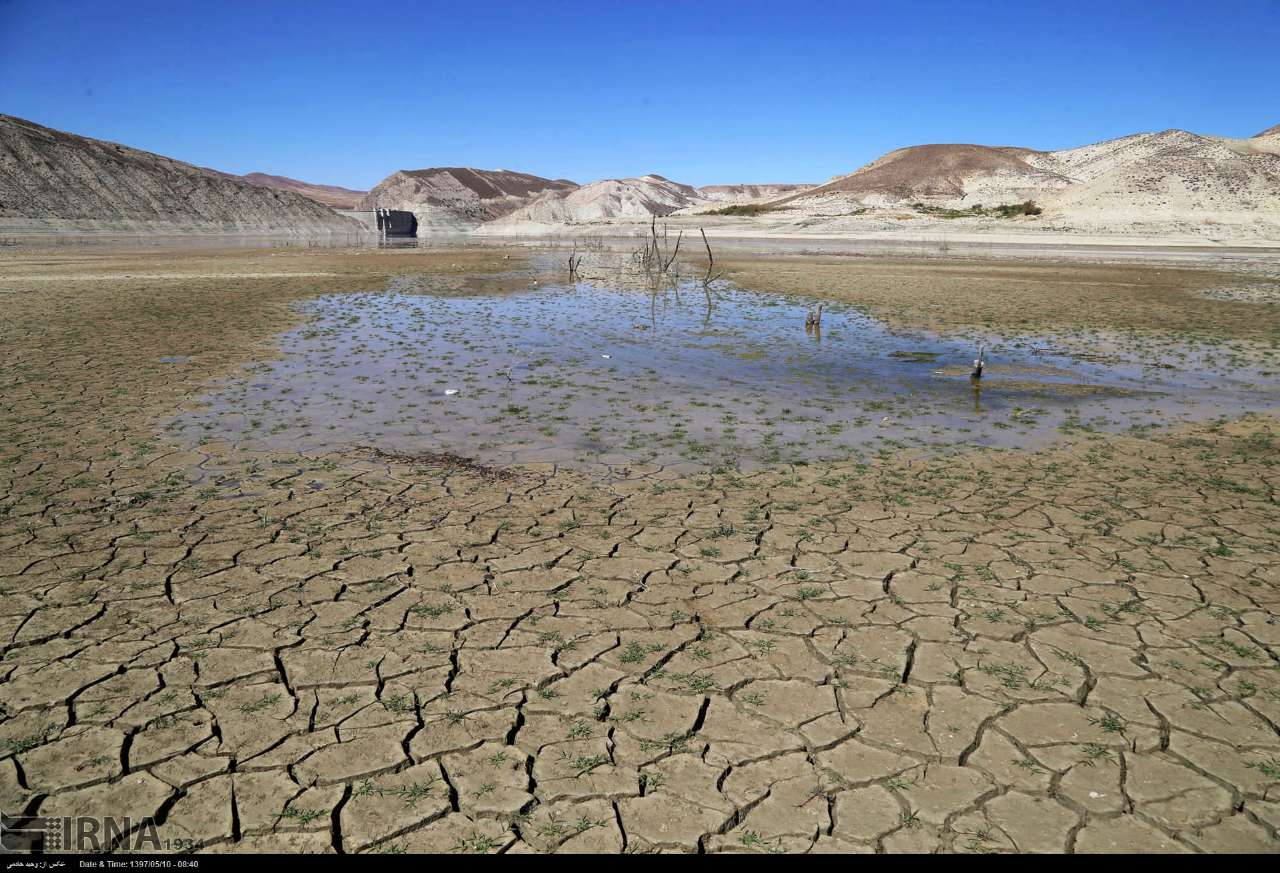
(742, 193)
(329, 195)
(1172, 181)
(459, 198)
(942, 171)
(1172, 176)
(52, 181)
(1169, 183)
(633, 199)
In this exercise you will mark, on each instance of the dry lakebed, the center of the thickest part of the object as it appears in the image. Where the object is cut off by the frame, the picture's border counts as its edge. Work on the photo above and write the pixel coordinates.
(441, 549)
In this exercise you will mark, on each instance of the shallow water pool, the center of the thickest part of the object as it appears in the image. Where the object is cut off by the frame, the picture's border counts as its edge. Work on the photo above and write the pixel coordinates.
(620, 380)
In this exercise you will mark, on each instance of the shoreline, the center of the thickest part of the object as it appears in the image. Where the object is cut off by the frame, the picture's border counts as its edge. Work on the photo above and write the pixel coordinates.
(910, 243)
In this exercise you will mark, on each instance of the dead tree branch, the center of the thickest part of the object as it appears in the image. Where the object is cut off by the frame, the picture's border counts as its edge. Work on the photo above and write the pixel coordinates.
(575, 261)
(711, 261)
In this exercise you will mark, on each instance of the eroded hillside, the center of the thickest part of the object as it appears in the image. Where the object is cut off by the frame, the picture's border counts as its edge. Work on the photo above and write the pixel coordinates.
(56, 181)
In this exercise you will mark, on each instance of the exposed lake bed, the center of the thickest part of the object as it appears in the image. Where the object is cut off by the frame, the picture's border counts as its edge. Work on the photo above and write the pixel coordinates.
(439, 551)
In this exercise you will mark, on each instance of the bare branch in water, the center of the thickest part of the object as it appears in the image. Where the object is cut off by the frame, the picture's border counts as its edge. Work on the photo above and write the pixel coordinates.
(711, 261)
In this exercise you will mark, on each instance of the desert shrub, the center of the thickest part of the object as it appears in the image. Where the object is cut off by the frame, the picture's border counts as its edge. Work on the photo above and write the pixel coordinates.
(742, 209)
(1012, 210)
(1008, 210)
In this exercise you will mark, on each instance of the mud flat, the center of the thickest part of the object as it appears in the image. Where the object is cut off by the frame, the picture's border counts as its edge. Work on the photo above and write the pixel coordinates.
(932, 240)
(318, 646)
(619, 380)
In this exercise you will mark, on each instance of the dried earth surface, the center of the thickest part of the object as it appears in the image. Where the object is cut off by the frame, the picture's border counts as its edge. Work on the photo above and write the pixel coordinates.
(1068, 650)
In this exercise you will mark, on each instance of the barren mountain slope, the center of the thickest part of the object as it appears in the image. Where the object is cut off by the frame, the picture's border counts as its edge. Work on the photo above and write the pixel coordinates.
(56, 181)
(449, 198)
(1169, 177)
(1173, 181)
(330, 195)
(739, 193)
(1090, 161)
(954, 173)
(633, 199)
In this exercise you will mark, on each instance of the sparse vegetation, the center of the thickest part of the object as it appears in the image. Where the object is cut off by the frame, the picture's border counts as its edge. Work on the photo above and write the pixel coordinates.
(743, 209)
(1008, 210)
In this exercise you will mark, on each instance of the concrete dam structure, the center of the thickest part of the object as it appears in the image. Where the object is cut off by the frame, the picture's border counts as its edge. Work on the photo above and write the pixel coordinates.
(385, 222)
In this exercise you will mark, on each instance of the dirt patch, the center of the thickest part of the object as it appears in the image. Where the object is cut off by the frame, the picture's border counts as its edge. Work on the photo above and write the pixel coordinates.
(1018, 296)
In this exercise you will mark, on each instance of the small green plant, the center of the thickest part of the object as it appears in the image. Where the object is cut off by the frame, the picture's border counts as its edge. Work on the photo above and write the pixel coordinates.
(753, 840)
(303, 817)
(1269, 767)
(478, 844)
(634, 653)
(260, 704)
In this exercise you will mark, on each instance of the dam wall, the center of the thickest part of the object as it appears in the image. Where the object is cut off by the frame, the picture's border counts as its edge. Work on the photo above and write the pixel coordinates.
(385, 222)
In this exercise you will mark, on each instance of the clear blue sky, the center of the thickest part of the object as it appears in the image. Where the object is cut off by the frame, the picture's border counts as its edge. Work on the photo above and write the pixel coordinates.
(700, 91)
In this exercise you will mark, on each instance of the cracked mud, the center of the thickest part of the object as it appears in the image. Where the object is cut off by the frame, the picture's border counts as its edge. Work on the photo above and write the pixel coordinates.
(1072, 649)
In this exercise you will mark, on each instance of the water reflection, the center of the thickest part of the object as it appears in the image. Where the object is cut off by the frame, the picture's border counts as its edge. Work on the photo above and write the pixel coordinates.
(590, 376)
